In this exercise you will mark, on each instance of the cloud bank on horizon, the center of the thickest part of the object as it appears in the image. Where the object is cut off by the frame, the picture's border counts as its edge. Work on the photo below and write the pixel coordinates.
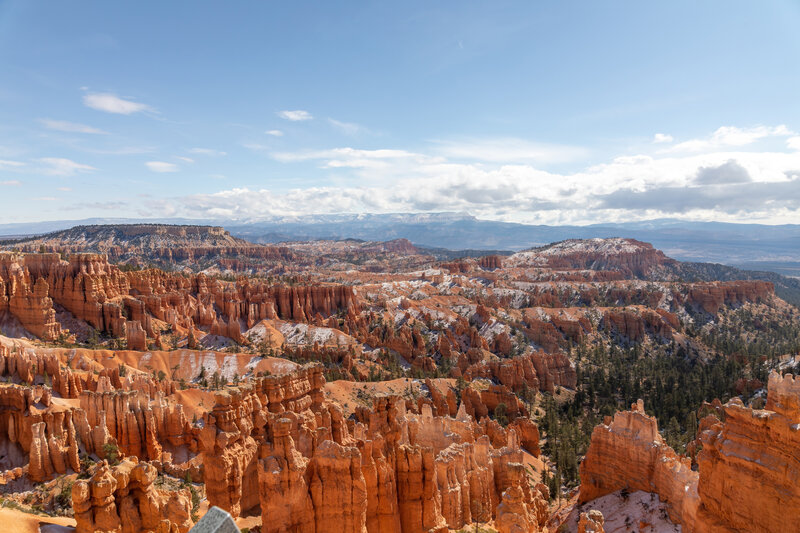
(485, 110)
(725, 184)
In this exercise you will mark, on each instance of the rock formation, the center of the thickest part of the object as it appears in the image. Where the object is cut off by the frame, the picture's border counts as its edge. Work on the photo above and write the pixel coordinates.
(391, 470)
(591, 522)
(629, 453)
(748, 466)
(124, 499)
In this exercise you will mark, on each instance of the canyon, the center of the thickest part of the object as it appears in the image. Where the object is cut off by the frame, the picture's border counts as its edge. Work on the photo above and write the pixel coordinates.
(148, 373)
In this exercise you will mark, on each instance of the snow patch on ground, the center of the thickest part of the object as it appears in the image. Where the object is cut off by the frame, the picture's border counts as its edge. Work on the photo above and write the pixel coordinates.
(639, 511)
(305, 334)
(539, 256)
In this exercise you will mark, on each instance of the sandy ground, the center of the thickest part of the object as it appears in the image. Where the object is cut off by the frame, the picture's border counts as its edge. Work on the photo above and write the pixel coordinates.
(195, 401)
(14, 521)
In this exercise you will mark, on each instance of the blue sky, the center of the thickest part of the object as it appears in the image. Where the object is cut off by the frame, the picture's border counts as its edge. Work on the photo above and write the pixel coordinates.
(541, 112)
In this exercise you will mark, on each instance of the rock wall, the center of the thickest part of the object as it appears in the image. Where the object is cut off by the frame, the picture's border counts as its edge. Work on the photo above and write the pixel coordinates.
(27, 298)
(749, 465)
(391, 471)
(749, 469)
(712, 296)
(386, 470)
(50, 438)
(122, 304)
(46, 435)
(629, 453)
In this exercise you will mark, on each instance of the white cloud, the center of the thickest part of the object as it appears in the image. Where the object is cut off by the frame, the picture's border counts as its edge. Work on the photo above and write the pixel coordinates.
(662, 138)
(124, 150)
(274, 133)
(348, 128)
(70, 127)
(7, 163)
(793, 143)
(111, 103)
(162, 166)
(256, 147)
(391, 161)
(185, 159)
(728, 136)
(723, 185)
(60, 166)
(65, 189)
(343, 153)
(11, 183)
(508, 150)
(207, 151)
(296, 115)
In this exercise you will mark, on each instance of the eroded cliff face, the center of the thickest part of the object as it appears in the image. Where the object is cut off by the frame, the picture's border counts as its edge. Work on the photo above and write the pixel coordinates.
(388, 469)
(272, 446)
(27, 299)
(629, 453)
(124, 304)
(712, 296)
(748, 472)
(58, 414)
(749, 464)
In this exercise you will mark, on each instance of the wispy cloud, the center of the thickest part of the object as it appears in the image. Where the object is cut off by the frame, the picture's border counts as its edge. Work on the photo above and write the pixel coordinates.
(257, 147)
(731, 136)
(70, 127)
(660, 138)
(111, 103)
(162, 166)
(207, 151)
(348, 128)
(353, 158)
(274, 133)
(11, 183)
(508, 150)
(184, 159)
(7, 163)
(296, 115)
(61, 166)
(124, 150)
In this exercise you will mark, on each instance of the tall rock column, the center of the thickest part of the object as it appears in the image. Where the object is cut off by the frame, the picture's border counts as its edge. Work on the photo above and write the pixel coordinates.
(338, 490)
(286, 505)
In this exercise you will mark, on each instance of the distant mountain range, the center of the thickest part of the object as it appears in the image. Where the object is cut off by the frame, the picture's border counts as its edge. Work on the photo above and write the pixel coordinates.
(751, 246)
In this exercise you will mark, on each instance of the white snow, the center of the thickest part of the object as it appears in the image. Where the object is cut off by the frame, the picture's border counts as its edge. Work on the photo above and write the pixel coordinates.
(626, 514)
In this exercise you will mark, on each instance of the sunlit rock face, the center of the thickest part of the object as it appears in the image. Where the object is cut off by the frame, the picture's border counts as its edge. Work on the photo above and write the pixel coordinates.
(124, 498)
(748, 473)
(750, 466)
